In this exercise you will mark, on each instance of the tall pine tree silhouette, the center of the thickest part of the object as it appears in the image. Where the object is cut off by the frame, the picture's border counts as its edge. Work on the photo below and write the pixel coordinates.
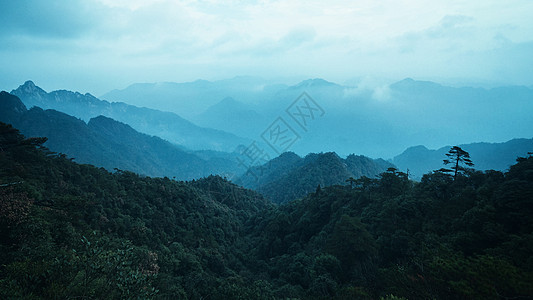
(457, 157)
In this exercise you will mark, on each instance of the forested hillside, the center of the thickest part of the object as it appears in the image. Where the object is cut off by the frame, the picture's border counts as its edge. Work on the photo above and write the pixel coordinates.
(437, 239)
(289, 176)
(75, 231)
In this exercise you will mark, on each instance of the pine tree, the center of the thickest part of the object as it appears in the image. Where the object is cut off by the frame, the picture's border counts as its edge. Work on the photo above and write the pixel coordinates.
(457, 157)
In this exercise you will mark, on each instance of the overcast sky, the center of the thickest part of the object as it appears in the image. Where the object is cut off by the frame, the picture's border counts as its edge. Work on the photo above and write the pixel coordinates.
(98, 45)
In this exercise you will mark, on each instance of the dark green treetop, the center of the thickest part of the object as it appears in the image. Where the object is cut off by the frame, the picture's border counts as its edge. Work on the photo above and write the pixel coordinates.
(457, 157)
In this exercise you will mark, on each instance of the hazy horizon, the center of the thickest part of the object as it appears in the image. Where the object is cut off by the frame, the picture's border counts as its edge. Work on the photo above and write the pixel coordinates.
(99, 45)
(383, 121)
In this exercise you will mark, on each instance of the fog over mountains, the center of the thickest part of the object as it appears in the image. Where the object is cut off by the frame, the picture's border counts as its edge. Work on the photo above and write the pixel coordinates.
(220, 150)
(107, 143)
(166, 125)
(379, 121)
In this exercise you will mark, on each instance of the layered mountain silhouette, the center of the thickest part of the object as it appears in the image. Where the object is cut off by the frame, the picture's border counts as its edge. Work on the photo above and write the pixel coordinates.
(111, 144)
(289, 176)
(166, 125)
(233, 116)
(188, 99)
(356, 120)
(373, 120)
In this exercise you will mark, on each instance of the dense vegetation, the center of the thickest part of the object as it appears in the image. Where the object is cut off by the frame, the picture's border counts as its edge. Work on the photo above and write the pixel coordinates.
(288, 176)
(75, 231)
(437, 239)
(71, 231)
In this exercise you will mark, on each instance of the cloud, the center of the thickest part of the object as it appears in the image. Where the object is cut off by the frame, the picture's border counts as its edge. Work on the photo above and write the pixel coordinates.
(298, 37)
(51, 19)
(171, 40)
(451, 34)
(454, 21)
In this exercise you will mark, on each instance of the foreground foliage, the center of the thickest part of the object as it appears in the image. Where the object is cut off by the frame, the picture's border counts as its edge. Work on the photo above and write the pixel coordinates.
(75, 231)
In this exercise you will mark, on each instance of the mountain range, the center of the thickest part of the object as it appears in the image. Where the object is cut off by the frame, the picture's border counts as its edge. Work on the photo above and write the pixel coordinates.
(107, 143)
(110, 144)
(189, 99)
(374, 120)
(166, 125)
(114, 144)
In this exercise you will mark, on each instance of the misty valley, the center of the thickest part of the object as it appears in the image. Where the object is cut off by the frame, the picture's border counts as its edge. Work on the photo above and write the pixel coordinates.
(247, 189)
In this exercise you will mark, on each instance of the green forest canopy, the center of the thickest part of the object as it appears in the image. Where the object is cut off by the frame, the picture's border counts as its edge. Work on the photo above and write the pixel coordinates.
(75, 231)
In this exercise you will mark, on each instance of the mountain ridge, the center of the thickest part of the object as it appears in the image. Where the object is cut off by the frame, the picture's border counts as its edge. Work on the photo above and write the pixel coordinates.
(166, 125)
(376, 120)
(108, 143)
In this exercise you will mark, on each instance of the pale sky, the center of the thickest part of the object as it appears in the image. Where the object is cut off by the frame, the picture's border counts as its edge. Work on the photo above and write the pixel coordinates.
(98, 45)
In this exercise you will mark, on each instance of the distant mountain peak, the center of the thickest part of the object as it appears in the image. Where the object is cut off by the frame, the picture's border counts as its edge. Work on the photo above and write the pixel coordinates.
(29, 84)
(29, 87)
(315, 82)
(413, 152)
(410, 83)
(417, 148)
